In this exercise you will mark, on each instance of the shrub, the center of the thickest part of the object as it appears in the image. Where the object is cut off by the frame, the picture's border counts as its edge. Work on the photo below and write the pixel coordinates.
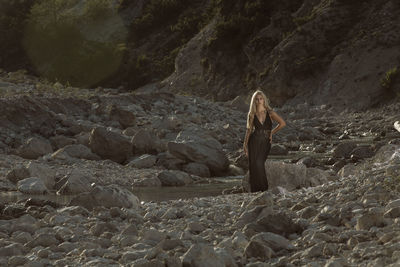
(61, 52)
(13, 14)
(390, 76)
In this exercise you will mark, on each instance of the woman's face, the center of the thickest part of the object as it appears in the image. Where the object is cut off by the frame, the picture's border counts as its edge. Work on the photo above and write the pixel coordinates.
(259, 100)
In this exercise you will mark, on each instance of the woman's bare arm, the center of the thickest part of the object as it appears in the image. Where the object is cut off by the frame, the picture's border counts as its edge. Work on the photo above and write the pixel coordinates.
(246, 141)
(281, 123)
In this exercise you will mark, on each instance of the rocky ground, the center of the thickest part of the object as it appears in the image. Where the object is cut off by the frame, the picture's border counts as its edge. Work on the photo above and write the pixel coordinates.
(334, 198)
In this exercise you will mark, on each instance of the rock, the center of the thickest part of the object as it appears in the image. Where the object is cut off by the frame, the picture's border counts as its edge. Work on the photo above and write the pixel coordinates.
(144, 161)
(336, 262)
(33, 169)
(17, 260)
(43, 172)
(12, 250)
(44, 240)
(279, 223)
(361, 152)
(124, 117)
(393, 213)
(77, 151)
(60, 141)
(397, 126)
(278, 150)
(106, 196)
(262, 199)
(201, 255)
(75, 183)
(110, 145)
(393, 204)
(366, 221)
(35, 148)
(344, 150)
(314, 251)
(347, 170)
(169, 161)
(32, 185)
(274, 241)
(239, 103)
(174, 178)
(152, 234)
(197, 169)
(198, 146)
(258, 250)
(196, 227)
(292, 176)
(308, 161)
(146, 142)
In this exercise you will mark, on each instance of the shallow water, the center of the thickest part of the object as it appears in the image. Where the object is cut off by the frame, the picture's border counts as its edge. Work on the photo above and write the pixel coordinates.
(143, 193)
(168, 193)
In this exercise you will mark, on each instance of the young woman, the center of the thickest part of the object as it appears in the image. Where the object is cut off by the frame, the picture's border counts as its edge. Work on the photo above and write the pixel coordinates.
(257, 142)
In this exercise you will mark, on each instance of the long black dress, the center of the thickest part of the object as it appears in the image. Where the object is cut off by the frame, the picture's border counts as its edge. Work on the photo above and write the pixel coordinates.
(259, 146)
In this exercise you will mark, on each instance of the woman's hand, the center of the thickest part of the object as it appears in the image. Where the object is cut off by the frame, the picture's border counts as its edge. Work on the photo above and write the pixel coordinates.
(270, 137)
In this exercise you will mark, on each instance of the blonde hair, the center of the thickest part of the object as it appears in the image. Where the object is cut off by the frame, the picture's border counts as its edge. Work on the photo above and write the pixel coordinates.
(253, 108)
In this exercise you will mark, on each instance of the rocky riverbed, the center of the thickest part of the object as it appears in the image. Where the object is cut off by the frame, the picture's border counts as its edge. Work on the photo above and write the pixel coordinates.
(334, 176)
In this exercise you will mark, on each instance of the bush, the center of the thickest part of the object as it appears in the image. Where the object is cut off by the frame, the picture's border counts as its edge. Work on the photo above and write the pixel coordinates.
(61, 52)
(13, 14)
(390, 76)
(99, 9)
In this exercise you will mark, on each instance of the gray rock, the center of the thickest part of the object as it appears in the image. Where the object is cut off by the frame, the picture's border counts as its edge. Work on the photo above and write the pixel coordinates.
(278, 150)
(361, 152)
(33, 169)
(60, 141)
(145, 141)
(274, 241)
(124, 117)
(35, 148)
(366, 221)
(77, 151)
(198, 146)
(75, 183)
(12, 250)
(198, 169)
(32, 185)
(110, 145)
(258, 250)
(344, 150)
(144, 161)
(202, 255)
(174, 178)
(107, 196)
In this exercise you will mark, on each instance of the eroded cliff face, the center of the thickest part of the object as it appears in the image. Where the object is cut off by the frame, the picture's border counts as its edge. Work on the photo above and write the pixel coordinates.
(319, 52)
(335, 52)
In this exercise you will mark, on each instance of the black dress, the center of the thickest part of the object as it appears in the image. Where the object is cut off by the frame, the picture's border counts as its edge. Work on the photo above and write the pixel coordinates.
(259, 146)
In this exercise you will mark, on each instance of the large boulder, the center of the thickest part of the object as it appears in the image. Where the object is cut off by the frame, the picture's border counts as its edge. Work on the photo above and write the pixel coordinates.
(75, 183)
(77, 151)
(174, 178)
(144, 161)
(35, 148)
(106, 196)
(202, 255)
(290, 176)
(145, 141)
(32, 186)
(110, 145)
(344, 150)
(33, 169)
(198, 146)
(124, 117)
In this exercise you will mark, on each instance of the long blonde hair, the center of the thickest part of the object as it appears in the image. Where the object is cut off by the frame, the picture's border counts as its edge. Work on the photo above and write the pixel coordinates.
(253, 108)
